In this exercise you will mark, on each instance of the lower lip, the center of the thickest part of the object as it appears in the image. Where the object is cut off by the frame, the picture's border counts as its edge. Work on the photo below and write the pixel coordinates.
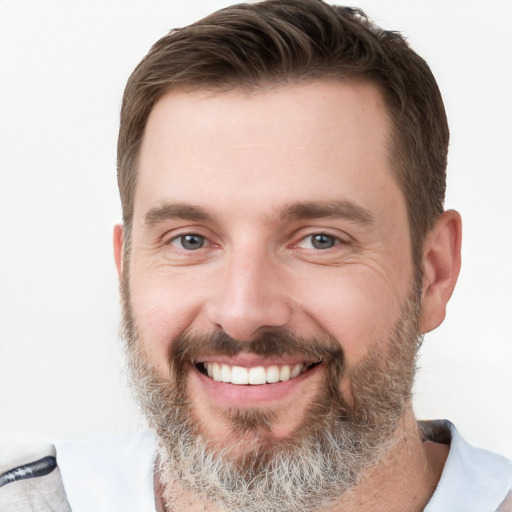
(233, 395)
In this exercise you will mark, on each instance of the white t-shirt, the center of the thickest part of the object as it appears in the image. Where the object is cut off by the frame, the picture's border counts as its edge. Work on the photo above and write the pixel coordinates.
(116, 475)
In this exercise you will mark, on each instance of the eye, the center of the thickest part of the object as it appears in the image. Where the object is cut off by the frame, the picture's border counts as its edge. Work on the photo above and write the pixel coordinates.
(190, 242)
(321, 241)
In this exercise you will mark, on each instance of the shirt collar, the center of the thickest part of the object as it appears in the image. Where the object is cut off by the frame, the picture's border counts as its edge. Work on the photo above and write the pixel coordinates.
(111, 474)
(473, 480)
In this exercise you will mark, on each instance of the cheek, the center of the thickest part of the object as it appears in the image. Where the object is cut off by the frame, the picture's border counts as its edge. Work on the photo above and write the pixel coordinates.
(162, 310)
(357, 306)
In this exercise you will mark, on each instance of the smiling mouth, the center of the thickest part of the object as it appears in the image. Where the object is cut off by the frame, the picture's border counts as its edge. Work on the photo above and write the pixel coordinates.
(256, 375)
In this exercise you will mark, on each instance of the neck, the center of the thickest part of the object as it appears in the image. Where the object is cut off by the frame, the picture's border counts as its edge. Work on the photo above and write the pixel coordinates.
(403, 480)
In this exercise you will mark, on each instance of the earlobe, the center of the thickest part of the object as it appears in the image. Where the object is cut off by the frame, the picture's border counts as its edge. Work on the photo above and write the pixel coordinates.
(118, 248)
(441, 266)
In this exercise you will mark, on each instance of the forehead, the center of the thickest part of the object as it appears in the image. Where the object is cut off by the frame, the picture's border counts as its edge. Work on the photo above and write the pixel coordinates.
(292, 142)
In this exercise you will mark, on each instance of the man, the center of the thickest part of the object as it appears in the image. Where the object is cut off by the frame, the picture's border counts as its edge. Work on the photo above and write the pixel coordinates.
(284, 248)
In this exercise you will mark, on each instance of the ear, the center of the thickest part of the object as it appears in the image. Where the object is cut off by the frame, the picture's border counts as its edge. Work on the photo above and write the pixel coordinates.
(118, 248)
(441, 266)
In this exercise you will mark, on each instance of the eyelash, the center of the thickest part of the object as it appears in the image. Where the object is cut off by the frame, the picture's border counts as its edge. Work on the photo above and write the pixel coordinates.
(332, 240)
(183, 236)
(179, 241)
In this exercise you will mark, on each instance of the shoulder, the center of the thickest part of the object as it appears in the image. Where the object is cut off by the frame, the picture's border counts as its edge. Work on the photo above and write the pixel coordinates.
(32, 484)
(473, 479)
(118, 468)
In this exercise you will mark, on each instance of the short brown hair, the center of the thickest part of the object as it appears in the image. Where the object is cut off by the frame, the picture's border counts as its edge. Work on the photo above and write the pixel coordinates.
(250, 45)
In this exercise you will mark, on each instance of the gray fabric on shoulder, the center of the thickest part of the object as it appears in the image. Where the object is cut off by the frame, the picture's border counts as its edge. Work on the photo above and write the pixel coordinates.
(33, 486)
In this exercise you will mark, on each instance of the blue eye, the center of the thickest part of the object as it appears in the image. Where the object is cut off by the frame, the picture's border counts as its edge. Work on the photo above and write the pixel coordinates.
(323, 241)
(190, 242)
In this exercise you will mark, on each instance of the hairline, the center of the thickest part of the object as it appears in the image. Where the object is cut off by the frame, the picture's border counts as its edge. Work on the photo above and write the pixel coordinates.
(251, 87)
(393, 143)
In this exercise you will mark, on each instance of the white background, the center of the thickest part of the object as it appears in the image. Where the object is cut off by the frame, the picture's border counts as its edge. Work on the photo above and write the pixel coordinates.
(62, 71)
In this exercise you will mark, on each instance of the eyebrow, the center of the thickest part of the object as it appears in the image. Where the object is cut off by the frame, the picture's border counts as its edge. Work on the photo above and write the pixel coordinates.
(297, 211)
(171, 211)
(343, 209)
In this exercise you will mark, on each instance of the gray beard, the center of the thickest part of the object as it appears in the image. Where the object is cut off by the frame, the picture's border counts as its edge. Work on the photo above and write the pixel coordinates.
(336, 442)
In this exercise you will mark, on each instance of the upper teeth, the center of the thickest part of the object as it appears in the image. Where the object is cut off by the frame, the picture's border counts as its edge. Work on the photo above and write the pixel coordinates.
(255, 375)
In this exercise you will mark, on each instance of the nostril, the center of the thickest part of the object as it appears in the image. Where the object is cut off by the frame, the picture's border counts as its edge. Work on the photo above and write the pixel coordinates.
(244, 321)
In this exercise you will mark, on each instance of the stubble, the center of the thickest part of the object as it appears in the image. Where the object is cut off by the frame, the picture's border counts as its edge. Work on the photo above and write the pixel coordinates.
(338, 439)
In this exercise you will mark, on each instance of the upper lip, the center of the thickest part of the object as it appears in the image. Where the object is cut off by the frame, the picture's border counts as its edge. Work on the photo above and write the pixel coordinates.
(251, 360)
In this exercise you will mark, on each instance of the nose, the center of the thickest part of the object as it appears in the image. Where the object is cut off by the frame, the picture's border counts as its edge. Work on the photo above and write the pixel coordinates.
(250, 297)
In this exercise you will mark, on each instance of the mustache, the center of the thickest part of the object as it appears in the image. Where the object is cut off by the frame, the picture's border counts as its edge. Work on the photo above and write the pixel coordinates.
(271, 343)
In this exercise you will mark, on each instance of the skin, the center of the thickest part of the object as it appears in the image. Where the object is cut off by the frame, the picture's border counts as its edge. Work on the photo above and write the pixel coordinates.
(244, 161)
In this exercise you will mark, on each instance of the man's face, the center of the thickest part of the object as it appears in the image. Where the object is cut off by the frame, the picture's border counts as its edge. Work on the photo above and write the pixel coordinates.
(270, 245)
